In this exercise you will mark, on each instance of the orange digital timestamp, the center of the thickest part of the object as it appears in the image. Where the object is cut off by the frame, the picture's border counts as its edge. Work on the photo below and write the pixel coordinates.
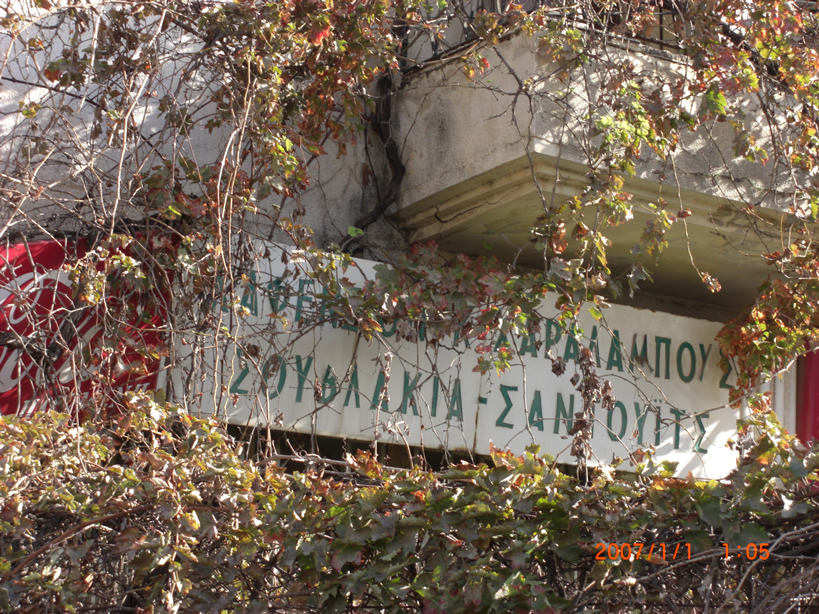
(627, 551)
(749, 551)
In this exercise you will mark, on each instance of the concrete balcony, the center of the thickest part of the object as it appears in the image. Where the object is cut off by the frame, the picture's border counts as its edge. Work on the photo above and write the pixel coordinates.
(486, 157)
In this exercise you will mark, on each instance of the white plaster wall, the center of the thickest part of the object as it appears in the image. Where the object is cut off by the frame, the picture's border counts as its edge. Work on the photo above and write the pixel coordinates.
(784, 387)
(454, 128)
(344, 188)
(78, 177)
(450, 128)
(75, 174)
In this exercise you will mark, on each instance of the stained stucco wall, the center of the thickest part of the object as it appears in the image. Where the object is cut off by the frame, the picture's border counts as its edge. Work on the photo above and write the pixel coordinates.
(453, 128)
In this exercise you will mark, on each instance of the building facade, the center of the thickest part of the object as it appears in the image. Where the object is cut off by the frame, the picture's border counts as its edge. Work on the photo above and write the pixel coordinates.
(476, 147)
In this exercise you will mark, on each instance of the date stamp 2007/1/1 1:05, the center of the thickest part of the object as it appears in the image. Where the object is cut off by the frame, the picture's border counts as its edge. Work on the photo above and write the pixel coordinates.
(673, 552)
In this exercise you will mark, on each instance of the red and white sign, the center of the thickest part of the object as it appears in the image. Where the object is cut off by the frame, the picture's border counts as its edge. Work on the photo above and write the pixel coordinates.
(50, 351)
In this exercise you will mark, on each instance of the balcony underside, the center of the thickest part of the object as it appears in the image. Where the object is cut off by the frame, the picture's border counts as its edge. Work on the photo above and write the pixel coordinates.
(494, 212)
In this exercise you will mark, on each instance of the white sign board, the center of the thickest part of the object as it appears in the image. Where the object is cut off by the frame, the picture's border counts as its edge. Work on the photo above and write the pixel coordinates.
(293, 372)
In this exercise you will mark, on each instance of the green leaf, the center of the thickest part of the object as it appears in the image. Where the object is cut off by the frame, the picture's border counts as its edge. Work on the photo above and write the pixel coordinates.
(710, 511)
(714, 102)
(700, 540)
(348, 553)
(749, 533)
(766, 52)
(29, 110)
(797, 468)
(596, 313)
(567, 547)
(354, 232)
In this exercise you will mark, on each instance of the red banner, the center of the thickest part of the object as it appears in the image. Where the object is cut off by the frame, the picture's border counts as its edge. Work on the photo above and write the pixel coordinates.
(807, 414)
(51, 350)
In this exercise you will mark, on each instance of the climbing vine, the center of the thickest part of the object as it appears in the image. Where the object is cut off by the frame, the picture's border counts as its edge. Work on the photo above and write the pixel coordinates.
(156, 510)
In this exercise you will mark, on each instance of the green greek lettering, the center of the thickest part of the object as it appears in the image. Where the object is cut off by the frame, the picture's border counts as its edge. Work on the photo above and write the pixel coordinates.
(301, 373)
(353, 388)
(623, 421)
(686, 377)
(455, 408)
(657, 362)
(501, 421)
(409, 393)
(615, 354)
(561, 415)
(678, 415)
(536, 412)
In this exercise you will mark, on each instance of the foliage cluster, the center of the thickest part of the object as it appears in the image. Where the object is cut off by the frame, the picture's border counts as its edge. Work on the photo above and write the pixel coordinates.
(155, 511)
